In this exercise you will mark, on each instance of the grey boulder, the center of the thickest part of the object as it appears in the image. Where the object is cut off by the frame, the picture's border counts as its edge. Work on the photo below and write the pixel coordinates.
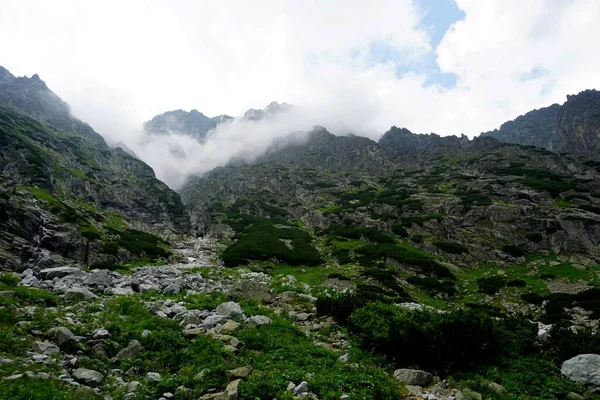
(584, 368)
(413, 376)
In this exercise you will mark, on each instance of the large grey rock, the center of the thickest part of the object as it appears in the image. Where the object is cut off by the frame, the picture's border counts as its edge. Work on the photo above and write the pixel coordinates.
(413, 376)
(64, 338)
(133, 349)
(212, 320)
(99, 277)
(79, 293)
(88, 376)
(230, 310)
(250, 290)
(58, 272)
(301, 389)
(584, 368)
(259, 320)
(45, 348)
(153, 377)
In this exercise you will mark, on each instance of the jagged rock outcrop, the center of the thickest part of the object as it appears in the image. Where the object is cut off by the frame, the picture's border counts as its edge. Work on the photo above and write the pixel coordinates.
(573, 127)
(180, 122)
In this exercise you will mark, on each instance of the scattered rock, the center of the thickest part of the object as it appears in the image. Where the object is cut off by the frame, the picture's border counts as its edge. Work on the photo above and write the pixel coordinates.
(344, 358)
(58, 272)
(192, 333)
(45, 348)
(153, 377)
(133, 349)
(101, 334)
(99, 277)
(413, 376)
(230, 326)
(574, 396)
(301, 389)
(258, 320)
(468, 394)
(240, 372)
(79, 293)
(88, 376)
(250, 290)
(230, 310)
(64, 338)
(496, 387)
(584, 368)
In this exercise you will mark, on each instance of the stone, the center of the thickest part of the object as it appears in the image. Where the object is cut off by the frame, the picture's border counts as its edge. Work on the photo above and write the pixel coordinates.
(344, 358)
(468, 394)
(413, 376)
(301, 388)
(574, 396)
(259, 320)
(250, 290)
(101, 334)
(58, 272)
(133, 349)
(79, 293)
(64, 338)
(230, 309)
(232, 390)
(240, 372)
(230, 326)
(192, 333)
(496, 387)
(123, 291)
(99, 277)
(213, 320)
(583, 368)
(86, 393)
(45, 348)
(98, 351)
(153, 377)
(133, 386)
(290, 387)
(88, 376)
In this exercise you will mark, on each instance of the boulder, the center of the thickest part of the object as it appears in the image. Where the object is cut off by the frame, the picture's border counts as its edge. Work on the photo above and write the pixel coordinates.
(58, 272)
(230, 310)
(240, 372)
(99, 277)
(258, 320)
(88, 377)
(230, 326)
(45, 348)
(415, 377)
(79, 293)
(153, 377)
(301, 389)
(133, 349)
(250, 290)
(64, 338)
(584, 368)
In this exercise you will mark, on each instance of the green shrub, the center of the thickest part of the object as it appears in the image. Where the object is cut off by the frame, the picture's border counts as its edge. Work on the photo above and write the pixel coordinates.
(534, 237)
(452, 248)
(37, 389)
(563, 343)
(516, 283)
(513, 250)
(442, 342)
(89, 231)
(420, 219)
(433, 285)
(399, 230)
(264, 241)
(337, 275)
(368, 233)
(491, 285)
(343, 256)
(9, 279)
(141, 244)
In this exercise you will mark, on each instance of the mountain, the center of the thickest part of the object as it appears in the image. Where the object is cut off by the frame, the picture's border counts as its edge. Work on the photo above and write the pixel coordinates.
(573, 127)
(180, 122)
(66, 197)
(197, 125)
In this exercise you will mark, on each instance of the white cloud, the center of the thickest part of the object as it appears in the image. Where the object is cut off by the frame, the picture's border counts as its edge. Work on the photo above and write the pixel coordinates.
(120, 63)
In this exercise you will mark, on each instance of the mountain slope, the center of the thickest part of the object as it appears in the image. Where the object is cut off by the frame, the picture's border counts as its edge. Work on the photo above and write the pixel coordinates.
(66, 197)
(573, 127)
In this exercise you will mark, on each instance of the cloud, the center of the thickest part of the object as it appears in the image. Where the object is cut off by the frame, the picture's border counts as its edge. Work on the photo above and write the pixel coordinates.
(358, 66)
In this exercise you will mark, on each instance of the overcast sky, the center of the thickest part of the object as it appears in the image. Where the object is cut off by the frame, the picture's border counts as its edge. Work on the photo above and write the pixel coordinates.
(461, 66)
(444, 66)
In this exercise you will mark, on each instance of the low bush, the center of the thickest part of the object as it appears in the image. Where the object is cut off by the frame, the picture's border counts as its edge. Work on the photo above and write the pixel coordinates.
(513, 250)
(491, 285)
(516, 283)
(399, 230)
(433, 285)
(452, 248)
(360, 232)
(534, 237)
(442, 342)
(563, 343)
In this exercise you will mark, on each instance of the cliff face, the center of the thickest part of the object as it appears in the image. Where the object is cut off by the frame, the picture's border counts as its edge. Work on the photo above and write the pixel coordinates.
(65, 196)
(573, 127)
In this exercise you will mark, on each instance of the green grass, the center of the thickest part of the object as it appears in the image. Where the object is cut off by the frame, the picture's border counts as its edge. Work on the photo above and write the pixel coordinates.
(313, 276)
(280, 353)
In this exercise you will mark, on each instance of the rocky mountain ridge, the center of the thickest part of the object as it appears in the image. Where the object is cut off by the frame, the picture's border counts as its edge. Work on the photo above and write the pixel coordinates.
(573, 127)
(66, 196)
